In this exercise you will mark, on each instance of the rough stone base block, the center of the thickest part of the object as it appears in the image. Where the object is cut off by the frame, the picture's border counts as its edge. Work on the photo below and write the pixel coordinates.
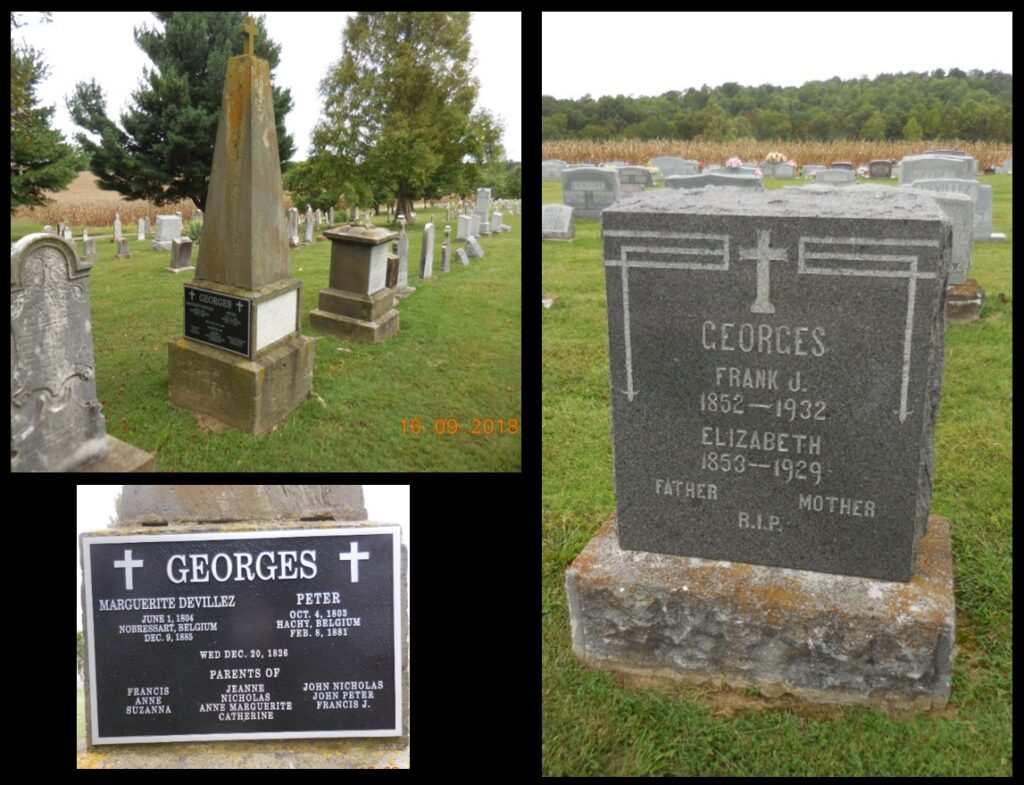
(122, 457)
(963, 301)
(350, 329)
(251, 395)
(818, 637)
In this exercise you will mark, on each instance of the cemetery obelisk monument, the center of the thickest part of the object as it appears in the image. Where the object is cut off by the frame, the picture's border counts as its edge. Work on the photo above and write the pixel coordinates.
(242, 359)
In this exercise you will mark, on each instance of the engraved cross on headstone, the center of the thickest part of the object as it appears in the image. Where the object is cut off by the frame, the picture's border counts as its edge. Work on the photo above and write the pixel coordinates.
(128, 564)
(249, 30)
(353, 557)
(764, 256)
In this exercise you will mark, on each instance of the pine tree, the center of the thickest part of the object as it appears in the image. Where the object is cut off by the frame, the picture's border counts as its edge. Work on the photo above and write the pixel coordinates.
(163, 150)
(399, 108)
(40, 159)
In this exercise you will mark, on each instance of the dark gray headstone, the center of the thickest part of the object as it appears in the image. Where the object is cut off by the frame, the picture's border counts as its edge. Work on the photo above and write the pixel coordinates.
(880, 168)
(589, 189)
(776, 362)
(557, 222)
(633, 179)
(56, 424)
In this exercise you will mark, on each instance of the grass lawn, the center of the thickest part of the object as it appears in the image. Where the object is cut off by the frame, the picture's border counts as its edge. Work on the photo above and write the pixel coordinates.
(593, 725)
(455, 358)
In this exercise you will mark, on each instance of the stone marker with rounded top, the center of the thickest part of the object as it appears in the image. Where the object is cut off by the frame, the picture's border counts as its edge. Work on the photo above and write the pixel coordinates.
(557, 222)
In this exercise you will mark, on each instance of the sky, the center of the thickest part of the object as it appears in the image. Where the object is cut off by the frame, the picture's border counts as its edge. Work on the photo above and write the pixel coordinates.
(82, 45)
(653, 53)
(384, 504)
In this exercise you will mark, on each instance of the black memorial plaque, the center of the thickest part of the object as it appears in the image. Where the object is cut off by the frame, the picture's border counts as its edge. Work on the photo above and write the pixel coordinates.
(217, 319)
(243, 635)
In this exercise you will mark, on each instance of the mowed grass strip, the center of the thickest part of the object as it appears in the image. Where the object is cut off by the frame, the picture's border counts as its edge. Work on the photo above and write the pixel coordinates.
(594, 725)
(456, 358)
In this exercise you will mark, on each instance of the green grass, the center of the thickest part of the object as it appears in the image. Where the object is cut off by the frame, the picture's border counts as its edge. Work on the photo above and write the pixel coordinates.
(456, 356)
(594, 725)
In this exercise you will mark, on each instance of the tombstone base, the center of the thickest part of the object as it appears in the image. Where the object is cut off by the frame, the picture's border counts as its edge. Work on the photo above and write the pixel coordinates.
(963, 301)
(251, 395)
(821, 638)
(122, 457)
(404, 291)
(995, 237)
(379, 322)
(178, 269)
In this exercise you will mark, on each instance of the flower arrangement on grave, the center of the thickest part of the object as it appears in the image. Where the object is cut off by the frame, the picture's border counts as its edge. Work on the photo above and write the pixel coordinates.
(733, 163)
(775, 157)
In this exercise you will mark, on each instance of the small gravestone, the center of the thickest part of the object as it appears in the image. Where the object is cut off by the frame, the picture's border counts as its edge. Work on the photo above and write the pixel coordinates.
(835, 177)
(772, 443)
(67, 233)
(880, 169)
(330, 216)
(359, 301)
(959, 208)
(168, 227)
(122, 248)
(181, 255)
(496, 223)
(319, 218)
(934, 167)
(403, 289)
(842, 165)
(483, 224)
(461, 256)
(552, 169)
(309, 226)
(1006, 167)
(632, 179)
(957, 154)
(446, 250)
(474, 224)
(89, 248)
(812, 169)
(785, 171)
(671, 165)
(293, 227)
(589, 190)
(473, 248)
(557, 222)
(141, 231)
(117, 227)
(427, 253)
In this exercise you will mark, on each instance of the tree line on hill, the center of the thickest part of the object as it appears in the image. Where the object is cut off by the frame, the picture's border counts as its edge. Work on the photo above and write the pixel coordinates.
(912, 106)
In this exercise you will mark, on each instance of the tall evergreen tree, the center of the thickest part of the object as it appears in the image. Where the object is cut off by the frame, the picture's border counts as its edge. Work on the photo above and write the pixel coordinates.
(163, 150)
(399, 108)
(40, 159)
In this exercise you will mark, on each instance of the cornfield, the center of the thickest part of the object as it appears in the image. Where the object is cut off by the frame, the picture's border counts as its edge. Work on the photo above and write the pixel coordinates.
(640, 151)
(84, 204)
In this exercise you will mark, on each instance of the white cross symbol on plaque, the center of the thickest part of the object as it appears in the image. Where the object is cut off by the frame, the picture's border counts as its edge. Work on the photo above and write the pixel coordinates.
(763, 256)
(128, 564)
(239, 307)
(353, 557)
(192, 294)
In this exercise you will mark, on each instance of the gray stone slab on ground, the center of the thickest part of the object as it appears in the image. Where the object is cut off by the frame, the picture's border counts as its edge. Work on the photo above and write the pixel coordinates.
(820, 638)
(835, 177)
(776, 364)
(152, 504)
(588, 190)
(557, 222)
(473, 248)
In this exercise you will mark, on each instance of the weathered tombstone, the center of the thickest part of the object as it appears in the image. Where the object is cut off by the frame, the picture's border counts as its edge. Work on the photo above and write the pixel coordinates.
(122, 248)
(835, 177)
(933, 167)
(980, 194)
(496, 223)
(67, 234)
(141, 233)
(589, 190)
(302, 652)
(483, 224)
(557, 222)
(632, 179)
(181, 255)
(880, 169)
(56, 424)
(959, 208)
(403, 289)
(330, 216)
(89, 249)
(671, 165)
(473, 248)
(798, 459)
(146, 227)
(427, 253)
(392, 274)
(810, 169)
(446, 250)
(117, 227)
(463, 259)
(483, 202)
(1006, 167)
(785, 171)
(552, 169)
(319, 218)
(358, 304)
(293, 227)
(959, 154)
(308, 238)
(717, 177)
(474, 224)
(462, 228)
(168, 227)
(842, 165)
(242, 359)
